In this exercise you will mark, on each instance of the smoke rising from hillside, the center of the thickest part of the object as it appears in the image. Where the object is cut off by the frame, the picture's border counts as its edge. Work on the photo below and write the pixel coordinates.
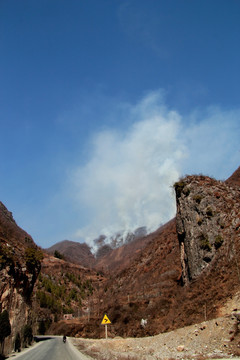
(127, 181)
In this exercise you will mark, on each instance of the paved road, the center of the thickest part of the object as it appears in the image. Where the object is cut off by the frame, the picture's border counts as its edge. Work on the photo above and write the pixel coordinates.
(51, 349)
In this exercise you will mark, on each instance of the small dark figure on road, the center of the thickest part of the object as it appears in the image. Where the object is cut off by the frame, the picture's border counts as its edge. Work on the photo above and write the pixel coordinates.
(64, 338)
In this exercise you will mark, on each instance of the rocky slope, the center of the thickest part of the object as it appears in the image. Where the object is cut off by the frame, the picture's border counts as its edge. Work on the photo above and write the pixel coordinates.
(63, 288)
(208, 223)
(143, 290)
(19, 268)
(115, 260)
(213, 339)
(114, 256)
(189, 269)
(182, 274)
(234, 179)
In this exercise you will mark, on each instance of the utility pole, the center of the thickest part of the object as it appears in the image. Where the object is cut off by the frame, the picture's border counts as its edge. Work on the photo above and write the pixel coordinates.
(205, 311)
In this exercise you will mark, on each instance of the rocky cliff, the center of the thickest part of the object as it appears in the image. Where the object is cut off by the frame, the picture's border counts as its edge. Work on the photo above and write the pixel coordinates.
(189, 269)
(182, 274)
(208, 220)
(19, 268)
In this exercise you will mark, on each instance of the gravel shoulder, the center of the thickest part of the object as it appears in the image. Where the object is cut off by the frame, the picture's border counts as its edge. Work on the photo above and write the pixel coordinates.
(209, 340)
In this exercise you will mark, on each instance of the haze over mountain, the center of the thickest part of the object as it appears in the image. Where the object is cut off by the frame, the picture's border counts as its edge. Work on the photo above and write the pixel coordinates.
(114, 252)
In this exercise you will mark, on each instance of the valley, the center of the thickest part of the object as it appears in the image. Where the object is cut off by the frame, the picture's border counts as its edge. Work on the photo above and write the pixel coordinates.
(178, 286)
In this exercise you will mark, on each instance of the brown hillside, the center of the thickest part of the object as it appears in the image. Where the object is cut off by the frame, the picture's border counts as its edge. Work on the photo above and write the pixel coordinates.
(63, 288)
(11, 233)
(234, 178)
(181, 274)
(74, 252)
(171, 285)
(118, 259)
(107, 259)
(19, 268)
(133, 294)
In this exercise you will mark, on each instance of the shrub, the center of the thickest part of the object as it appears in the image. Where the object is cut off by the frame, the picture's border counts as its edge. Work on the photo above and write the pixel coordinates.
(186, 191)
(204, 243)
(27, 335)
(209, 211)
(28, 240)
(58, 255)
(179, 186)
(218, 241)
(17, 343)
(49, 302)
(5, 328)
(33, 259)
(6, 257)
(199, 220)
(197, 198)
(41, 328)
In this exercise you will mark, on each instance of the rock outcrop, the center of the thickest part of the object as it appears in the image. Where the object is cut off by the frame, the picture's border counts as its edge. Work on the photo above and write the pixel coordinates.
(19, 268)
(208, 219)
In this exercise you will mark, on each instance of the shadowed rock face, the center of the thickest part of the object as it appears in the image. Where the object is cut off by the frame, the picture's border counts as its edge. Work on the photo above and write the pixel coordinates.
(207, 218)
(18, 273)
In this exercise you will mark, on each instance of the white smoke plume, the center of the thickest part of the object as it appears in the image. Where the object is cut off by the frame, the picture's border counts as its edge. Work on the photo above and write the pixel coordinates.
(127, 182)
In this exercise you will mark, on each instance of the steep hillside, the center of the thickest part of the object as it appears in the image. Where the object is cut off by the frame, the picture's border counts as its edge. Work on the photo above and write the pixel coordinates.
(63, 288)
(208, 223)
(140, 291)
(234, 179)
(115, 260)
(183, 273)
(147, 288)
(74, 252)
(19, 268)
(202, 255)
(107, 258)
(188, 270)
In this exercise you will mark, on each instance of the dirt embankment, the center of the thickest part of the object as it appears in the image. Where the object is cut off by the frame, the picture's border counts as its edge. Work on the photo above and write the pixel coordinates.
(214, 339)
(209, 340)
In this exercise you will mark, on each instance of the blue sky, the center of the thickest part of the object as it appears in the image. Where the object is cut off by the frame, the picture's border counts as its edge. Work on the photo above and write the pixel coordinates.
(105, 103)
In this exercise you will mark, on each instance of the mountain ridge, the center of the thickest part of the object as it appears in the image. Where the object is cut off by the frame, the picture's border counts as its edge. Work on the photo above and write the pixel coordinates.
(78, 253)
(181, 274)
(107, 258)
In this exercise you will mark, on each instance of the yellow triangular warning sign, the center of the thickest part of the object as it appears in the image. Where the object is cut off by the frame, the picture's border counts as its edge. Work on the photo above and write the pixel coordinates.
(105, 320)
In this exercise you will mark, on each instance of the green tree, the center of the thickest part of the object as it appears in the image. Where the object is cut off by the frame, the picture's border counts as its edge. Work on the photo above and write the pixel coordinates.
(6, 257)
(42, 328)
(27, 335)
(33, 259)
(17, 343)
(58, 255)
(5, 329)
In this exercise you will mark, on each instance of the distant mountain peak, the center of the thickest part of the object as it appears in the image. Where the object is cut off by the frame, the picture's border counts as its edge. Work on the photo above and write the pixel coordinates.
(75, 252)
(234, 178)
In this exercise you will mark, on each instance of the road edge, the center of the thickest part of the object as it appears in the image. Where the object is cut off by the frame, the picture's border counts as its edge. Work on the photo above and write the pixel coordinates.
(77, 352)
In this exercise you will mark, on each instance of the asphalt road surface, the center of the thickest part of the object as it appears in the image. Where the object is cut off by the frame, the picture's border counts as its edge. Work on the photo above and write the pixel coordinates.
(51, 348)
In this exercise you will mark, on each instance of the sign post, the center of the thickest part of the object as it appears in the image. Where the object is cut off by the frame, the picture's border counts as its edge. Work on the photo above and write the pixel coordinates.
(105, 321)
(106, 334)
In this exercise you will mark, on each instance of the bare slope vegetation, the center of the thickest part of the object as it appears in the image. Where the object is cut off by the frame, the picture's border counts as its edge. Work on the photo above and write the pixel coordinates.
(186, 272)
(19, 268)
